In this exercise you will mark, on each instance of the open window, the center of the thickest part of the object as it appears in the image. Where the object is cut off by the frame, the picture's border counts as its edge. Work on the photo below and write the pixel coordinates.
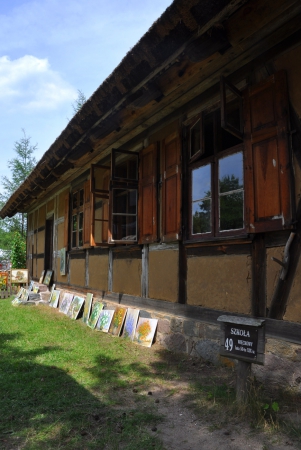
(99, 187)
(124, 196)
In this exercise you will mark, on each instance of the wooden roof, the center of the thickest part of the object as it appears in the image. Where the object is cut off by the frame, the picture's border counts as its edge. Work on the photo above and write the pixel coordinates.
(176, 65)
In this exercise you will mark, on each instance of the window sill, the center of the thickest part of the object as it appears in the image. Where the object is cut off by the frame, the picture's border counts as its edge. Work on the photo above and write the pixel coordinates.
(240, 239)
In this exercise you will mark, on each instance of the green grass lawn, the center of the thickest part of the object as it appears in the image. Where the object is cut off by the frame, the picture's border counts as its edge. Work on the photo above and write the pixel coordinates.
(65, 386)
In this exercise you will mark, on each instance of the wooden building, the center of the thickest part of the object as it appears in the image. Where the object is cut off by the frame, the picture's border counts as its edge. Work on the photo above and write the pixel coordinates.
(179, 179)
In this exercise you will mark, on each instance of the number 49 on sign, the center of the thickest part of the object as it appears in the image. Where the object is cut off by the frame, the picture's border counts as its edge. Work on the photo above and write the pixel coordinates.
(229, 345)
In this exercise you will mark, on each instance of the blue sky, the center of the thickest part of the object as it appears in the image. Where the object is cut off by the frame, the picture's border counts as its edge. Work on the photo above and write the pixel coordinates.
(51, 48)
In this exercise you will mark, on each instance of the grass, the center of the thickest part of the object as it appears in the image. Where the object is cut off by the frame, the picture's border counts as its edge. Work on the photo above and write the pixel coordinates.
(65, 386)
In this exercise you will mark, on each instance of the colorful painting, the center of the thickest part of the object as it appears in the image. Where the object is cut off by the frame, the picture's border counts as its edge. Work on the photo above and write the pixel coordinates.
(145, 331)
(54, 298)
(3, 280)
(66, 302)
(24, 295)
(35, 289)
(75, 307)
(130, 323)
(63, 261)
(19, 276)
(42, 277)
(105, 320)
(47, 278)
(20, 292)
(87, 307)
(117, 321)
(96, 310)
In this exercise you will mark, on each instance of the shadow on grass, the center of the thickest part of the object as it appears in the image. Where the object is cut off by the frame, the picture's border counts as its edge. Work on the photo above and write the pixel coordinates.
(42, 407)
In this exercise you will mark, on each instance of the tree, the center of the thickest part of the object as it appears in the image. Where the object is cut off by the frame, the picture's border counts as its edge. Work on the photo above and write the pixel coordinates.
(20, 166)
(81, 99)
(18, 251)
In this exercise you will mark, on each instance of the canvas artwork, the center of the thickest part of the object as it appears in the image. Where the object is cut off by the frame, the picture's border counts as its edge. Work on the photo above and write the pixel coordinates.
(87, 307)
(63, 261)
(54, 298)
(105, 320)
(47, 278)
(35, 289)
(3, 280)
(75, 307)
(117, 321)
(19, 276)
(24, 295)
(42, 277)
(20, 292)
(96, 310)
(66, 302)
(130, 323)
(145, 331)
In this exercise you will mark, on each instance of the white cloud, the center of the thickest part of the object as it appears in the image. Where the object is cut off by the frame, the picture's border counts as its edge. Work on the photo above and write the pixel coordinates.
(30, 83)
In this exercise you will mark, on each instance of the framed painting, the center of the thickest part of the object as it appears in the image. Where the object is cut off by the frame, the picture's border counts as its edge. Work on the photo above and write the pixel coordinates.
(130, 323)
(87, 307)
(145, 331)
(35, 289)
(3, 280)
(63, 261)
(19, 276)
(96, 310)
(117, 321)
(54, 298)
(42, 277)
(66, 302)
(47, 278)
(105, 320)
(75, 307)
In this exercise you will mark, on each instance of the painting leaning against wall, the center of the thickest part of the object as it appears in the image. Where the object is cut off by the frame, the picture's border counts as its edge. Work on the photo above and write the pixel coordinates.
(87, 307)
(145, 331)
(130, 323)
(75, 307)
(96, 310)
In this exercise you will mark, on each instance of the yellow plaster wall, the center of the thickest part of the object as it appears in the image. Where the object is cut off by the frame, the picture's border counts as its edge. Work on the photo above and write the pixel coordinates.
(60, 236)
(127, 276)
(220, 282)
(50, 205)
(77, 272)
(42, 216)
(163, 275)
(61, 203)
(273, 271)
(98, 272)
(58, 277)
(293, 309)
(40, 267)
(41, 242)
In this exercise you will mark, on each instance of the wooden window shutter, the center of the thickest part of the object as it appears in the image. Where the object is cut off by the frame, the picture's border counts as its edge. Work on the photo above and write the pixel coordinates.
(66, 221)
(171, 188)
(267, 158)
(87, 214)
(147, 204)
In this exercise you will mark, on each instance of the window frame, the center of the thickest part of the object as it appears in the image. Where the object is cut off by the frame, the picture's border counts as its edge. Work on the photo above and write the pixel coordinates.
(76, 211)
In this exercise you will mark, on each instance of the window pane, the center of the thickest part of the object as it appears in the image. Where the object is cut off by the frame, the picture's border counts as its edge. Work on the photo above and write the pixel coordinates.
(201, 182)
(201, 217)
(74, 222)
(80, 238)
(74, 239)
(124, 201)
(231, 173)
(81, 221)
(195, 138)
(126, 166)
(81, 197)
(74, 200)
(124, 228)
(231, 211)
(231, 193)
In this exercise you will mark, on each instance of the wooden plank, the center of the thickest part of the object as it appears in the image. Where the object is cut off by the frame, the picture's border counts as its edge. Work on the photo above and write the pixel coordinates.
(217, 250)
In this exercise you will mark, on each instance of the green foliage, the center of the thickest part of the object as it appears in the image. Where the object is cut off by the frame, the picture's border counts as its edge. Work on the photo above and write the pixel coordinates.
(18, 251)
(21, 166)
(81, 99)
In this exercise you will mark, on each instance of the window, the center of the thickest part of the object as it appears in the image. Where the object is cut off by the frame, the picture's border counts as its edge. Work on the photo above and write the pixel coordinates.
(77, 221)
(217, 182)
(239, 179)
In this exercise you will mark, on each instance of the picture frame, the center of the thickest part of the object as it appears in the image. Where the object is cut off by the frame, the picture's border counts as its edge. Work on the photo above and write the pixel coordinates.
(19, 276)
(47, 278)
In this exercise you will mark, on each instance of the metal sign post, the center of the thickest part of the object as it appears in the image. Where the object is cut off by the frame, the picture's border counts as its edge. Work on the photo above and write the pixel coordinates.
(242, 338)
